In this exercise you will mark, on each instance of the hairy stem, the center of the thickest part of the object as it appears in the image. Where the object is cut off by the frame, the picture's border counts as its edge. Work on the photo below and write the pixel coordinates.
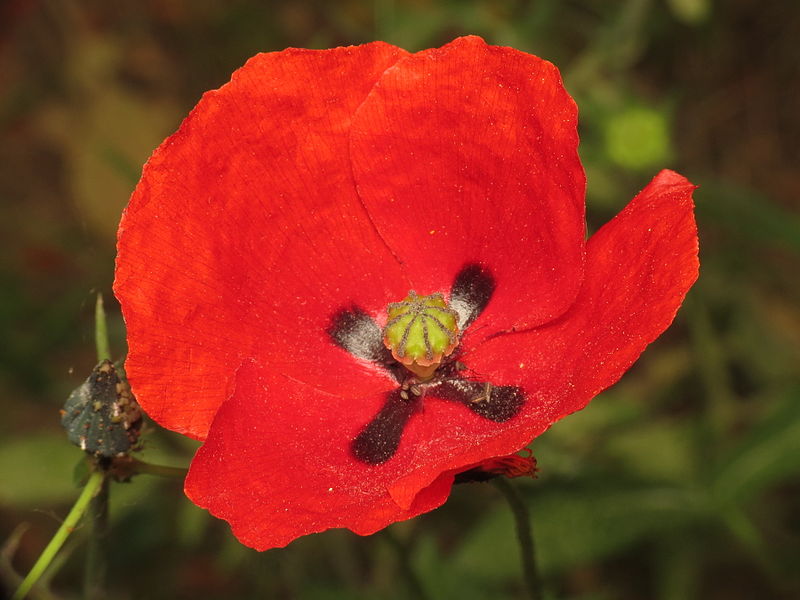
(94, 483)
(94, 581)
(101, 330)
(139, 466)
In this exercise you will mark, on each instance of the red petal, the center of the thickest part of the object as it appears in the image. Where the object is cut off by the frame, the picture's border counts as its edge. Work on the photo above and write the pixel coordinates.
(276, 465)
(245, 234)
(512, 466)
(638, 270)
(468, 153)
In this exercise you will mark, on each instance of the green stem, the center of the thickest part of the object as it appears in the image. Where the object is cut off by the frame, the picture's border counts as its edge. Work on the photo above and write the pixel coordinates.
(710, 356)
(97, 551)
(81, 504)
(740, 525)
(614, 47)
(522, 521)
(160, 470)
(96, 564)
(101, 330)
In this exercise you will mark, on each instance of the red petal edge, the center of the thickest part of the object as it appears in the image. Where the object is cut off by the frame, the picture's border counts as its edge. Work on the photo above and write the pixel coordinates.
(277, 466)
(468, 154)
(245, 235)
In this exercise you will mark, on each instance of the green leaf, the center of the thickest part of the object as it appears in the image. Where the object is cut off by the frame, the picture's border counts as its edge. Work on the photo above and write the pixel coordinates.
(578, 526)
(748, 214)
(769, 454)
(443, 576)
(657, 451)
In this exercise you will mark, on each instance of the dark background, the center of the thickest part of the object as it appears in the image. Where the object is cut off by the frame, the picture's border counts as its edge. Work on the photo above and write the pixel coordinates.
(680, 482)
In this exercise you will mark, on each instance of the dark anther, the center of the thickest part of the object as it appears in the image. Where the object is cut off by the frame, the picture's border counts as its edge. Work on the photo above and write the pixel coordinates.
(472, 289)
(378, 441)
(354, 330)
(496, 403)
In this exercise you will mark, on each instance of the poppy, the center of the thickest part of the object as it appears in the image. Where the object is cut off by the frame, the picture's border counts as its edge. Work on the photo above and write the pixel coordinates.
(359, 273)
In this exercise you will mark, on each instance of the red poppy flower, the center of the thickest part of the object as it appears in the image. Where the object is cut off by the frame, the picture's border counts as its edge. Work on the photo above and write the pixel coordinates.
(268, 236)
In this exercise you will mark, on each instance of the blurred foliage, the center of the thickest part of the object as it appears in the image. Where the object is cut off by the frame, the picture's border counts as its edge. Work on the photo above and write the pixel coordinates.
(680, 482)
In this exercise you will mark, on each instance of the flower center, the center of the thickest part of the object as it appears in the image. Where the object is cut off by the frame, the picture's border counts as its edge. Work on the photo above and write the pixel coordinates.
(420, 332)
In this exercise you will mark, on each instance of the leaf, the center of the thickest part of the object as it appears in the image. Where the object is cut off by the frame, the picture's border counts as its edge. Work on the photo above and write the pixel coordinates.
(578, 526)
(658, 451)
(769, 454)
(747, 214)
(443, 577)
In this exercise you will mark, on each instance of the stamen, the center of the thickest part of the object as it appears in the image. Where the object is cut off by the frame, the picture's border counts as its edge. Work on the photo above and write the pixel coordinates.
(496, 403)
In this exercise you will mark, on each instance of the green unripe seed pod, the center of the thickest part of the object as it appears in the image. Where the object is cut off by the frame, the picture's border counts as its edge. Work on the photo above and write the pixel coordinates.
(420, 332)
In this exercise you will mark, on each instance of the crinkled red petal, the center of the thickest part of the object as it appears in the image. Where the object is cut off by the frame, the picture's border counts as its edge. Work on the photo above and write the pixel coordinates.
(639, 267)
(468, 154)
(276, 465)
(246, 234)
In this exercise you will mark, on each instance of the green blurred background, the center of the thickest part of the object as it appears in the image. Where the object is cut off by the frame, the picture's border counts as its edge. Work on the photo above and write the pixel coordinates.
(681, 482)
